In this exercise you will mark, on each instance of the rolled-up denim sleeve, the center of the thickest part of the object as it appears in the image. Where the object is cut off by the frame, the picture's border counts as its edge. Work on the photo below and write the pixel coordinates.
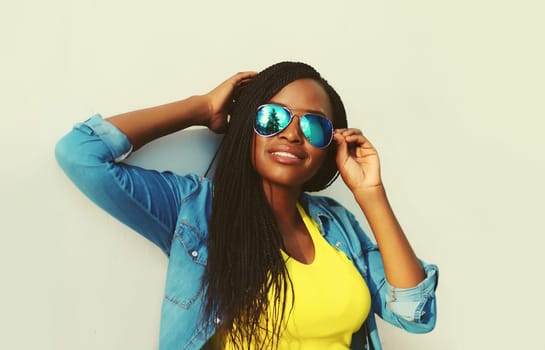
(146, 200)
(412, 309)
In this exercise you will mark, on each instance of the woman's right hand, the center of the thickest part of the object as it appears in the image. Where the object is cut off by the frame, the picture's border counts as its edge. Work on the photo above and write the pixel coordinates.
(220, 99)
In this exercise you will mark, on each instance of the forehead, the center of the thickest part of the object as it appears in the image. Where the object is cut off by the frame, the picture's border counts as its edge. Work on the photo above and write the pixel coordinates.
(304, 95)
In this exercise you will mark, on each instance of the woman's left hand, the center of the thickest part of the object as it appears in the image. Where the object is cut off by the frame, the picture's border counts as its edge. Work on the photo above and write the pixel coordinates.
(357, 160)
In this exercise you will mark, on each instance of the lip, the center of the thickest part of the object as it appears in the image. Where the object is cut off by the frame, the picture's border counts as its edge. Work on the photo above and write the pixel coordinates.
(287, 154)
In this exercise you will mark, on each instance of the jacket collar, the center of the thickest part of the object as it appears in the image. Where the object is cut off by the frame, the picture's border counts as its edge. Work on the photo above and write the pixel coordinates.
(317, 212)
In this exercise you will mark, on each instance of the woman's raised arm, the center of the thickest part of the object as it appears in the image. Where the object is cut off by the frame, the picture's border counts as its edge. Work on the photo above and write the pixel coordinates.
(145, 125)
(148, 201)
(359, 167)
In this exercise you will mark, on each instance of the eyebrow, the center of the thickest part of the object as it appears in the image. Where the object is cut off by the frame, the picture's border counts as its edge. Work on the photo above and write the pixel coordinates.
(305, 110)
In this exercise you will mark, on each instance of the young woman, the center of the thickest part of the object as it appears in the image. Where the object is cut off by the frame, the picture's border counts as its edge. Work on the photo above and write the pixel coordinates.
(255, 262)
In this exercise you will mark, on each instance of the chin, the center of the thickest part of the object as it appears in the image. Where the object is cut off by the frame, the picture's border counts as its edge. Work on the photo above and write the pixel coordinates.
(285, 179)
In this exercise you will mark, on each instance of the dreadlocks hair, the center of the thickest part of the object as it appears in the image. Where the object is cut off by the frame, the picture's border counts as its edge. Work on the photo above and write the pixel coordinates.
(245, 263)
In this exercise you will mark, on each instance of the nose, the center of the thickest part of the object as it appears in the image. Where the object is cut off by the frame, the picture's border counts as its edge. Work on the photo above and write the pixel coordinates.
(292, 133)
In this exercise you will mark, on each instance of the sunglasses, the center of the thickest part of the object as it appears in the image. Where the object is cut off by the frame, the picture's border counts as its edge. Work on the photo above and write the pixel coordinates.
(272, 119)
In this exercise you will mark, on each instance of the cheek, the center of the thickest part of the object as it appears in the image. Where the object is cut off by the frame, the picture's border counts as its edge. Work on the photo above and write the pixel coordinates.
(320, 160)
(320, 156)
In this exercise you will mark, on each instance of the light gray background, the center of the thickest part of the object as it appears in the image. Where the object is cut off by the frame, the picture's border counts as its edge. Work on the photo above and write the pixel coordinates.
(451, 93)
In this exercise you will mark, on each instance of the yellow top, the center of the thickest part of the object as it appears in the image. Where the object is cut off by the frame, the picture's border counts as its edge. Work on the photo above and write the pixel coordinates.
(331, 299)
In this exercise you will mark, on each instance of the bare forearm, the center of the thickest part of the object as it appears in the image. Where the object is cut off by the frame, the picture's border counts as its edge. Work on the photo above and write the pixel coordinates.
(402, 267)
(145, 125)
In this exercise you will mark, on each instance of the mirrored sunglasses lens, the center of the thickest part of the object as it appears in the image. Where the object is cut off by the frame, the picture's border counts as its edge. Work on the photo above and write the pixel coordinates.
(271, 120)
(317, 129)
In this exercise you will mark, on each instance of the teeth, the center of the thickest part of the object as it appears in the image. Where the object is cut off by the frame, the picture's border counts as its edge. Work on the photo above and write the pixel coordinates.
(285, 154)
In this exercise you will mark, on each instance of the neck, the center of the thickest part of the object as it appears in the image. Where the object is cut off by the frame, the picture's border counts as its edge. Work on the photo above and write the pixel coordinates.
(283, 202)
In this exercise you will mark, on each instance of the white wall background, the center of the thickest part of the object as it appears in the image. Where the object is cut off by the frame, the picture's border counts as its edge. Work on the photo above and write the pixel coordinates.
(451, 93)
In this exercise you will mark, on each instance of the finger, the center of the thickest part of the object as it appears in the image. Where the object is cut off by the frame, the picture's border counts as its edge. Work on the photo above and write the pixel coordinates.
(243, 76)
(351, 131)
(356, 138)
(234, 80)
(350, 135)
(239, 82)
(244, 82)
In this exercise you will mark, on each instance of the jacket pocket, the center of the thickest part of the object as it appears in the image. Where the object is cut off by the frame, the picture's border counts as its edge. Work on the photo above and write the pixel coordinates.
(186, 266)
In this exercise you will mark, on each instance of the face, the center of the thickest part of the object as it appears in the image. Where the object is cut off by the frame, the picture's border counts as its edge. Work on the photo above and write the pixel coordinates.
(287, 159)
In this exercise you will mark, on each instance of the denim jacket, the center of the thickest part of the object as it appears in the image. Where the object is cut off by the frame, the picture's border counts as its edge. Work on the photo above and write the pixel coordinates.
(172, 211)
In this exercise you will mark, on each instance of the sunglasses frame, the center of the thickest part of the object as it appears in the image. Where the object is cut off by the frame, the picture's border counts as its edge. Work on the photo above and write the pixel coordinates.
(290, 113)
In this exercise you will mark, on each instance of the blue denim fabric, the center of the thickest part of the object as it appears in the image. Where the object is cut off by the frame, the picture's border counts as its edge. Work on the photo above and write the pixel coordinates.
(172, 211)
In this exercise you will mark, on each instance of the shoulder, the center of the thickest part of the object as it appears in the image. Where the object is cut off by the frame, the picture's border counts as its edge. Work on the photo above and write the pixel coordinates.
(190, 184)
(327, 207)
(324, 205)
